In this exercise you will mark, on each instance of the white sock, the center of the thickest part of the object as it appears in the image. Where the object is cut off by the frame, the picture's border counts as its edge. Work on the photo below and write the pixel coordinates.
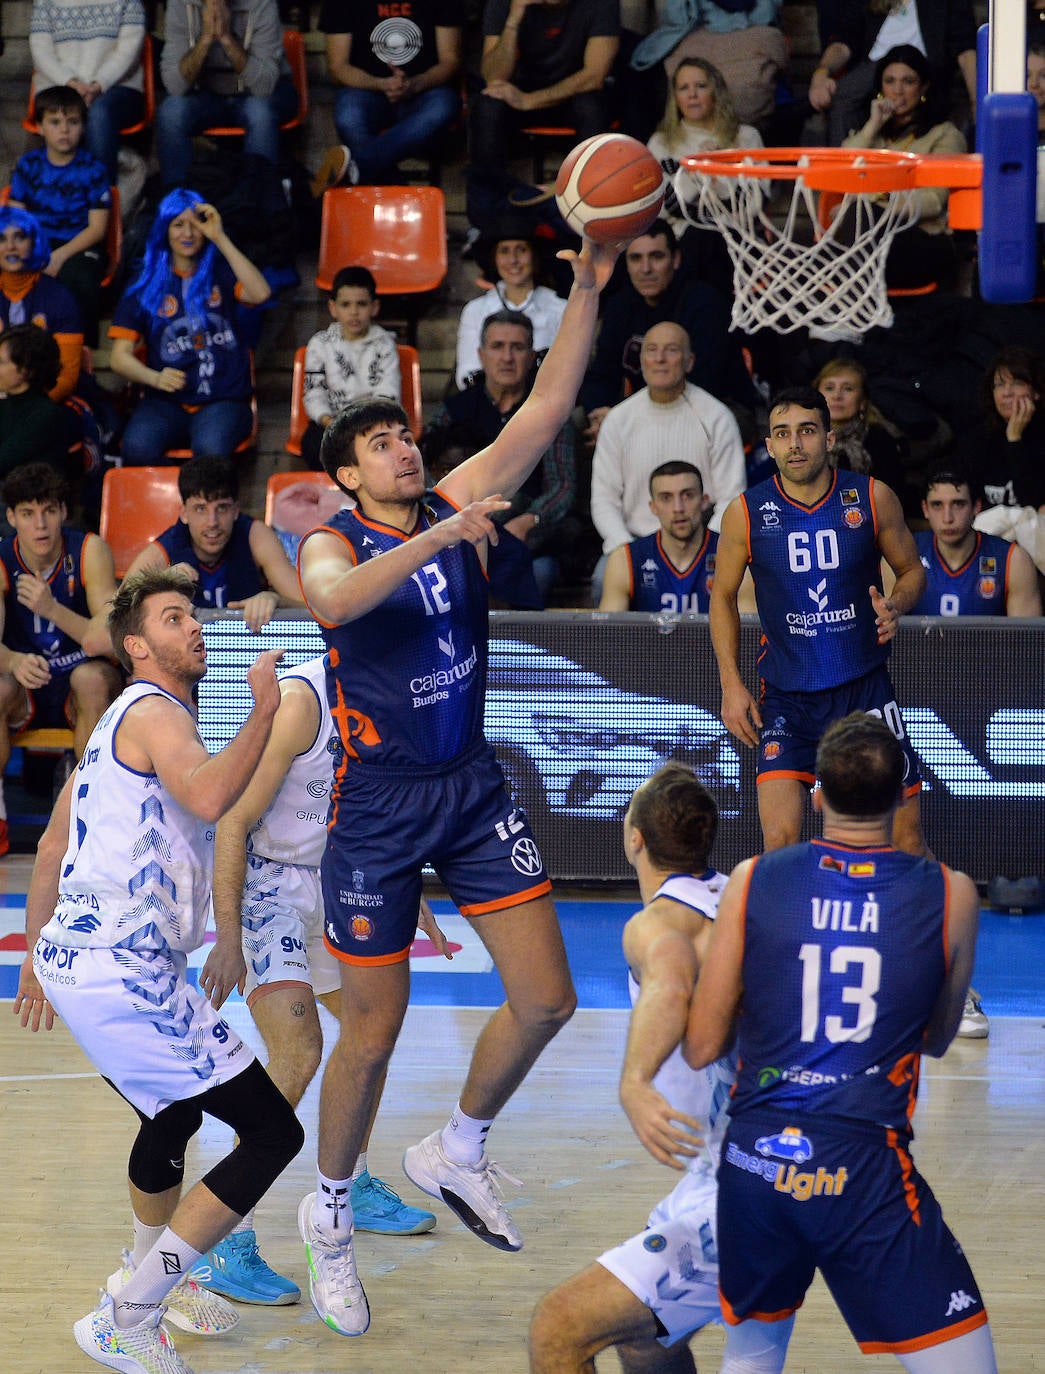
(332, 1209)
(169, 1260)
(360, 1168)
(464, 1137)
(145, 1237)
(244, 1224)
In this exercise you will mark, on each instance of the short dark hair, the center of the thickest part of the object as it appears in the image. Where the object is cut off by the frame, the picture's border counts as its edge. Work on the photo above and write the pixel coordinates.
(953, 477)
(860, 766)
(660, 228)
(35, 353)
(353, 276)
(127, 612)
(514, 317)
(338, 449)
(213, 478)
(58, 100)
(806, 398)
(34, 482)
(678, 819)
(675, 467)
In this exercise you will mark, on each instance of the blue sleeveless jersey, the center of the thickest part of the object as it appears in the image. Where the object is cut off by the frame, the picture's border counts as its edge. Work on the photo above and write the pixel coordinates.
(978, 587)
(27, 633)
(847, 949)
(812, 566)
(233, 579)
(408, 681)
(657, 585)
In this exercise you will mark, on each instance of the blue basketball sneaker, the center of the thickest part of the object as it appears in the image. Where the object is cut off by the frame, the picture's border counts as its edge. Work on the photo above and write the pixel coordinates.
(375, 1207)
(235, 1269)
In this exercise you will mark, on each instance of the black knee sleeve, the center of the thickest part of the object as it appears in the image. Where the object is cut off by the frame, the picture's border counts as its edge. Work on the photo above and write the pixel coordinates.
(157, 1159)
(269, 1136)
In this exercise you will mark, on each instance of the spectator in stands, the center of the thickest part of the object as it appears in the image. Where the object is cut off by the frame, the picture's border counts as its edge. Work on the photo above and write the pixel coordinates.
(29, 296)
(352, 358)
(33, 428)
(1004, 455)
(537, 529)
(856, 34)
(183, 308)
(865, 441)
(223, 63)
(67, 189)
(94, 46)
(698, 118)
(53, 579)
(237, 562)
(672, 569)
(903, 118)
(968, 573)
(656, 291)
(511, 258)
(544, 62)
(669, 416)
(397, 84)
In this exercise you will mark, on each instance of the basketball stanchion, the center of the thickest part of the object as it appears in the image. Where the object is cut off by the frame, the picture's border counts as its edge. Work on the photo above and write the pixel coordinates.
(819, 262)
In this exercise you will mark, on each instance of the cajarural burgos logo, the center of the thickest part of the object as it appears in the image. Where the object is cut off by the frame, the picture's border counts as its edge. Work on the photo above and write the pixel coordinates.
(432, 687)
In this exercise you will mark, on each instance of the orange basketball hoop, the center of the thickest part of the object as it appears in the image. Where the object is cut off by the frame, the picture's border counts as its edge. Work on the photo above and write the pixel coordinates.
(822, 263)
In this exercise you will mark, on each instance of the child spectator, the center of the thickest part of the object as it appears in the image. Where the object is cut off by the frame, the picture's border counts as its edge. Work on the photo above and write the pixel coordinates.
(29, 296)
(68, 191)
(184, 307)
(350, 359)
(33, 428)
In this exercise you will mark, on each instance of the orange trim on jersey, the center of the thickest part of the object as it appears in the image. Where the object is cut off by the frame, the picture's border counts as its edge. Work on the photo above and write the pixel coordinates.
(682, 572)
(912, 791)
(265, 988)
(438, 491)
(505, 903)
(871, 484)
(733, 1320)
(807, 778)
(800, 505)
(926, 1342)
(120, 331)
(857, 849)
(747, 535)
(892, 1140)
(375, 961)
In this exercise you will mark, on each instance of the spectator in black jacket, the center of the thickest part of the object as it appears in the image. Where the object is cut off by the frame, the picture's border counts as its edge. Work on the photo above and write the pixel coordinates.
(1006, 455)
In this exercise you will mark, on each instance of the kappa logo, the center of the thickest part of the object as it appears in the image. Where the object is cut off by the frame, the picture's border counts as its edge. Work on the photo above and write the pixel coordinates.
(526, 858)
(818, 594)
(960, 1302)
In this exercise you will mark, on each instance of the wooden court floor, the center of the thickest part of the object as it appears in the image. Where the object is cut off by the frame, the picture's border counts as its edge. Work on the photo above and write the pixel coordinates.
(444, 1302)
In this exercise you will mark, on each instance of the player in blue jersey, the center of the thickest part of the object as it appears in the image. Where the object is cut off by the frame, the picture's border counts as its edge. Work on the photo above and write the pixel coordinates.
(236, 562)
(813, 538)
(838, 964)
(399, 586)
(52, 579)
(969, 573)
(672, 569)
(648, 1295)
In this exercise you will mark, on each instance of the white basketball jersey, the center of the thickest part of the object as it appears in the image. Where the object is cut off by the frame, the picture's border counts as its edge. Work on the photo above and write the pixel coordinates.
(294, 828)
(137, 870)
(701, 1093)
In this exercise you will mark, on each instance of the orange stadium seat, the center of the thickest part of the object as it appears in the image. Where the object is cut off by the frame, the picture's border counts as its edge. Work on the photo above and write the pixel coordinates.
(398, 232)
(410, 379)
(137, 505)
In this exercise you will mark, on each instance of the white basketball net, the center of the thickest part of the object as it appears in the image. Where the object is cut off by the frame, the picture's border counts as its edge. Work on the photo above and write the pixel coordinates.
(783, 283)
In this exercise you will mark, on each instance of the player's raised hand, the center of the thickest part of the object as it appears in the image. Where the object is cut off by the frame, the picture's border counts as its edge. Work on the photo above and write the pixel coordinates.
(262, 680)
(472, 524)
(740, 714)
(886, 616)
(593, 265)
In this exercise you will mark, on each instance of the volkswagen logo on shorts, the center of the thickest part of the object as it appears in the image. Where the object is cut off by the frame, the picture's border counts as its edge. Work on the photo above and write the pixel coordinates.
(526, 858)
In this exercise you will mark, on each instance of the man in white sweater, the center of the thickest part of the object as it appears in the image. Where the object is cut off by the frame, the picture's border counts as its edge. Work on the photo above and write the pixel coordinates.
(670, 418)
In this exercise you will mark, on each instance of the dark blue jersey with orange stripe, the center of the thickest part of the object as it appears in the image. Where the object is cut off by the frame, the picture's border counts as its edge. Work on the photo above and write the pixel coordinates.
(979, 587)
(235, 576)
(28, 633)
(812, 567)
(847, 949)
(657, 585)
(408, 681)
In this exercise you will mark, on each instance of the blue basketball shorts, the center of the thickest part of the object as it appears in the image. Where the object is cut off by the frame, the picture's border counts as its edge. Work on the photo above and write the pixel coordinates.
(459, 818)
(856, 1209)
(793, 722)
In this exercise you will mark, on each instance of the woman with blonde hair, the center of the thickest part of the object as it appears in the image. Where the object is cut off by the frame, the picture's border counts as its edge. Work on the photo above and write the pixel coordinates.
(865, 441)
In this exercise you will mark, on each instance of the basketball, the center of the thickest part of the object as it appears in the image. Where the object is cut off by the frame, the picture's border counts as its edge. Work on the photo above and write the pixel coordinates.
(610, 188)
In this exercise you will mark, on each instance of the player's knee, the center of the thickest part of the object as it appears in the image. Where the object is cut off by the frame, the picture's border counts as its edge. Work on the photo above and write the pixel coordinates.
(778, 833)
(157, 1159)
(548, 1014)
(553, 1332)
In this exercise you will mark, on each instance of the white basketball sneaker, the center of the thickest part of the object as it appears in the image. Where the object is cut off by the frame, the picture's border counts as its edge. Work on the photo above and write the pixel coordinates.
(189, 1307)
(333, 1284)
(142, 1349)
(470, 1190)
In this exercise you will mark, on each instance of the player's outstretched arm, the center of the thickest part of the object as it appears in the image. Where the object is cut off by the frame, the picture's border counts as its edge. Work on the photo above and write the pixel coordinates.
(509, 460)
(713, 1010)
(740, 713)
(664, 961)
(30, 1004)
(963, 918)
